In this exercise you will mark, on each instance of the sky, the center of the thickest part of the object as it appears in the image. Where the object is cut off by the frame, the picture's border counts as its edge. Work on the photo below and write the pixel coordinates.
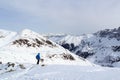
(60, 16)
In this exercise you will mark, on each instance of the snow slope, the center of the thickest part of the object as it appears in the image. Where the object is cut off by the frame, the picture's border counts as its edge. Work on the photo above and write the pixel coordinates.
(62, 72)
(6, 37)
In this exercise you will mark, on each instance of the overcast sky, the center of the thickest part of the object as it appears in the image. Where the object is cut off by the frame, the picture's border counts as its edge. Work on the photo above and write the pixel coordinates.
(59, 16)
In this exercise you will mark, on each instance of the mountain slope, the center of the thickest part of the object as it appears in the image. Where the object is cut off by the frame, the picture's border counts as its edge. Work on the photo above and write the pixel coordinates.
(28, 43)
(6, 37)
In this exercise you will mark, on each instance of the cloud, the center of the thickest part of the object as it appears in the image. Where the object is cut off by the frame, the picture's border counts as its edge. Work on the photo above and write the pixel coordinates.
(75, 15)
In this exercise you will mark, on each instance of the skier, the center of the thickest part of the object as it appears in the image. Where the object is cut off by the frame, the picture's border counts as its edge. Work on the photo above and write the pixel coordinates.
(38, 58)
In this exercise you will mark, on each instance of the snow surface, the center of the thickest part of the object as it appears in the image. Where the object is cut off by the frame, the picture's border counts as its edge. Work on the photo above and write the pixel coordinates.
(62, 72)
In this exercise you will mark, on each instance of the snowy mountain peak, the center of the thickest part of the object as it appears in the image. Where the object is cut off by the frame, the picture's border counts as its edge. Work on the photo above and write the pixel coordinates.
(30, 38)
(26, 31)
(30, 34)
(71, 39)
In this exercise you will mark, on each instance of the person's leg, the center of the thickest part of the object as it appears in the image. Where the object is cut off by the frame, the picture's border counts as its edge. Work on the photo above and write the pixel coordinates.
(38, 61)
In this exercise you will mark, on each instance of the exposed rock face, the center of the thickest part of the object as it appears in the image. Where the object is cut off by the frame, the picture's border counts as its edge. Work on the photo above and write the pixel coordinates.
(110, 33)
(35, 43)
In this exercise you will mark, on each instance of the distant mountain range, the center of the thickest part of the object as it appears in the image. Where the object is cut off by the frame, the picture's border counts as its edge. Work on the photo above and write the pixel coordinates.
(102, 47)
